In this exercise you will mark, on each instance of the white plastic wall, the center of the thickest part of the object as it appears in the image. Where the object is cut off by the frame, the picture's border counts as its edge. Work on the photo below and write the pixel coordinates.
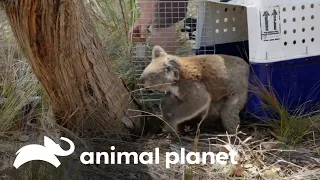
(277, 30)
(221, 23)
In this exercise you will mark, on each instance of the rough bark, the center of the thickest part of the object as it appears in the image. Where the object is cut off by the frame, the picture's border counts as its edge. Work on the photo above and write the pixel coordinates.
(59, 40)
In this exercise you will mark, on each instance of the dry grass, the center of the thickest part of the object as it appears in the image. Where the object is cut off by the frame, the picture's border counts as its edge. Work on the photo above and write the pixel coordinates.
(260, 157)
(113, 19)
(18, 86)
(287, 126)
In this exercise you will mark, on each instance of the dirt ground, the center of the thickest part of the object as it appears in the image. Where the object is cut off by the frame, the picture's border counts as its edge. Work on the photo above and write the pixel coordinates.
(260, 157)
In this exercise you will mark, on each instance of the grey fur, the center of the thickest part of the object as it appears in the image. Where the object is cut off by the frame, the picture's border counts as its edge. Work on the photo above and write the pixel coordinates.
(195, 101)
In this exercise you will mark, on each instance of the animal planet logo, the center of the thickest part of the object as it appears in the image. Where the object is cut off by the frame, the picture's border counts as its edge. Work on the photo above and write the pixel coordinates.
(47, 152)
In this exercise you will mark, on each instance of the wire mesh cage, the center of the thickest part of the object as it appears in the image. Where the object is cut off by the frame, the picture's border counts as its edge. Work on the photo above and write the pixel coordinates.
(173, 26)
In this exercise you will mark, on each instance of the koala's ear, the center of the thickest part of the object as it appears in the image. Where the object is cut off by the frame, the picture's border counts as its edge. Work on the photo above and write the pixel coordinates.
(157, 51)
(172, 69)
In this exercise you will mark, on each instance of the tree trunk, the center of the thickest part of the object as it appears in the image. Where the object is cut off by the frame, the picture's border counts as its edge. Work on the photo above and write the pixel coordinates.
(60, 42)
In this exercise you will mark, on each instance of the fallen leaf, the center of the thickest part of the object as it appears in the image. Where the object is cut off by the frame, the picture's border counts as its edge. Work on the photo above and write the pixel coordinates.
(238, 172)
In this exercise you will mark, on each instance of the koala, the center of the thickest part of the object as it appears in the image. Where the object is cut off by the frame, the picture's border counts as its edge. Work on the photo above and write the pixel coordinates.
(223, 79)
(192, 102)
(177, 113)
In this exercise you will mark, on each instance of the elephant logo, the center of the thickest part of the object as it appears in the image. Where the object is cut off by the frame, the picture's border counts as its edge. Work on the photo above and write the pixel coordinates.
(47, 152)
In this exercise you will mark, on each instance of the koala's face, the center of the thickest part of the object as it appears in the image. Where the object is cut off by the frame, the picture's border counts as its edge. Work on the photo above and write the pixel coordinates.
(162, 72)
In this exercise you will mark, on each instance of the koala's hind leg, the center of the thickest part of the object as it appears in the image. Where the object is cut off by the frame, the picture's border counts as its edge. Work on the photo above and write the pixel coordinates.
(230, 111)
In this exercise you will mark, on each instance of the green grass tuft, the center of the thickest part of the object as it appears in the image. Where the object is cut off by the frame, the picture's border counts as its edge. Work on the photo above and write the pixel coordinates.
(289, 126)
